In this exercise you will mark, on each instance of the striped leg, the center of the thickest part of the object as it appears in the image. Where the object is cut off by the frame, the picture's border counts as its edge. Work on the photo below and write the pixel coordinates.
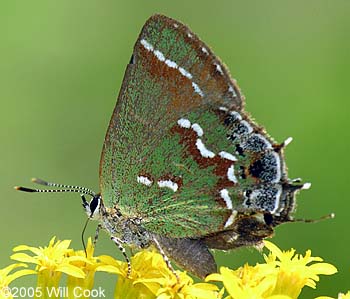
(119, 243)
(97, 234)
(166, 259)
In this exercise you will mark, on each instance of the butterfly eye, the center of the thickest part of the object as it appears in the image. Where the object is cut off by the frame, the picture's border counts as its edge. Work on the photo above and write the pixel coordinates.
(94, 206)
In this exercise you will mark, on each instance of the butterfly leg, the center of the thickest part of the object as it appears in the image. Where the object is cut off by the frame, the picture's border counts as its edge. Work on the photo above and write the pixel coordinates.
(119, 243)
(98, 228)
(165, 258)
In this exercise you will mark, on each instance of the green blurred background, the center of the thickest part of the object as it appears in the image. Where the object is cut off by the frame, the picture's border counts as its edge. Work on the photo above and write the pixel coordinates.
(61, 67)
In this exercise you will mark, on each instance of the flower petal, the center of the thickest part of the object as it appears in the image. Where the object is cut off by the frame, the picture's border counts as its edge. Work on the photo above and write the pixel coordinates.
(71, 270)
(25, 258)
(214, 277)
(35, 250)
(323, 268)
(273, 248)
(110, 269)
(18, 274)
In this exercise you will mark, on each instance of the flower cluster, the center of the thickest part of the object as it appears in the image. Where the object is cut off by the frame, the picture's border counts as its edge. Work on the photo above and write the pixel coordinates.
(283, 275)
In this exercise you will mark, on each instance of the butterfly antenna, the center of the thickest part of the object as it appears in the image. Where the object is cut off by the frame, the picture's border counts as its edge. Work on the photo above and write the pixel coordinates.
(50, 184)
(66, 188)
(325, 217)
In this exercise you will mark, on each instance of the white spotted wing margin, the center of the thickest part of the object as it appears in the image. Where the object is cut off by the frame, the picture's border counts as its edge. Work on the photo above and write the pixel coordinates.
(190, 254)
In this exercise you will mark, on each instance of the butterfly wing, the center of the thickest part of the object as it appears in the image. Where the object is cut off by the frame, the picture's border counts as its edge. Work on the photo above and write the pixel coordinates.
(166, 157)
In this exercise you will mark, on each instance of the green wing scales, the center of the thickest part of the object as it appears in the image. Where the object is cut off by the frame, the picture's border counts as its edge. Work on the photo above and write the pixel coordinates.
(151, 164)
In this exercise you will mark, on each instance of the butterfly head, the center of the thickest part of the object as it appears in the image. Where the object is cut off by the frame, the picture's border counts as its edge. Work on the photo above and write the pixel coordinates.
(92, 208)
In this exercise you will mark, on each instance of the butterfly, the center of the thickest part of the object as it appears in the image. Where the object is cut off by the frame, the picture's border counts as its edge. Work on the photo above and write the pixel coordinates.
(184, 168)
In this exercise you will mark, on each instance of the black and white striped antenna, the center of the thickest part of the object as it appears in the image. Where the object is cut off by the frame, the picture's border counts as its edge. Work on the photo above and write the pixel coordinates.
(62, 188)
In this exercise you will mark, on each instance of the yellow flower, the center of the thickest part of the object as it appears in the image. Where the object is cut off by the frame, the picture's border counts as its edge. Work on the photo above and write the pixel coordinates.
(293, 270)
(6, 278)
(151, 278)
(282, 276)
(247, 281)
(51, 262)
(86, 261)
